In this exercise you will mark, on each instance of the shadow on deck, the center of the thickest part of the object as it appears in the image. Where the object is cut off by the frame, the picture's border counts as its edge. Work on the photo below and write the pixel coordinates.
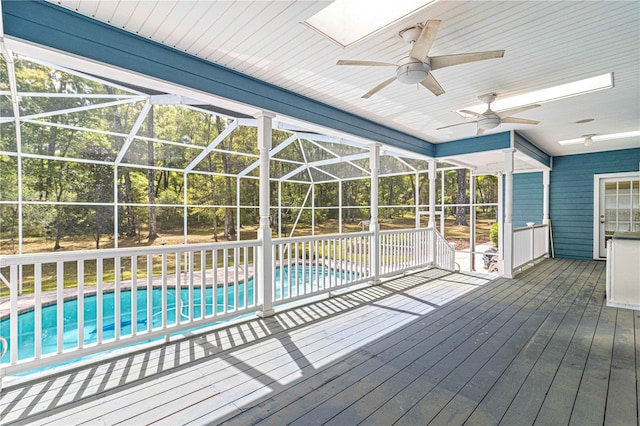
(428, 347)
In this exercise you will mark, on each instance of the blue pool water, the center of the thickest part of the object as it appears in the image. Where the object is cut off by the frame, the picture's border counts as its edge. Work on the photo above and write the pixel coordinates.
(311, 275)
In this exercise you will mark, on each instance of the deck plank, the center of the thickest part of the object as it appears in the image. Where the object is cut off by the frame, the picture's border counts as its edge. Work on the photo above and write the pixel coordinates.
(426, 348)
(621, 399)
(449, 324)
(369, 399)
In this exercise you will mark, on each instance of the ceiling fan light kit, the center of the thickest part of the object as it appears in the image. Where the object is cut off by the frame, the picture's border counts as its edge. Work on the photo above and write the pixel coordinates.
(417, 66)
(411, 70)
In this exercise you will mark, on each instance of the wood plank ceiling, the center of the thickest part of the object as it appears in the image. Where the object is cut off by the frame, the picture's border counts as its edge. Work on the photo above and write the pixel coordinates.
(547, 44)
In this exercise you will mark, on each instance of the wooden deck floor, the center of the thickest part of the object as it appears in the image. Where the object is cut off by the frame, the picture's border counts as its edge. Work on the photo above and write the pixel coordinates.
(428, 348)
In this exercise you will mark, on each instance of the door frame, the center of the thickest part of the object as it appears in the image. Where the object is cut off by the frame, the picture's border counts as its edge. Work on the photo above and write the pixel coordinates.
(596, 206)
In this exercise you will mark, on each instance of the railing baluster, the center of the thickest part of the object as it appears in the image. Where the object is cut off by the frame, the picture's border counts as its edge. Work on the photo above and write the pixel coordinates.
(225, 282)
(215, 290)
(191, 309)
(165, 289)
(245, 268)
(99, 300)
(37, 309)
(149, 293)
(80, 303)
(116, 298)
(236, 297)
(60, 305)
(290, 265)
(13, 315)
(178, 296)
(203, 284)
(134, 295)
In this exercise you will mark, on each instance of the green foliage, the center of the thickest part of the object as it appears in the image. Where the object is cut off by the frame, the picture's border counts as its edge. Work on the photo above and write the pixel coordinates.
(493, 234)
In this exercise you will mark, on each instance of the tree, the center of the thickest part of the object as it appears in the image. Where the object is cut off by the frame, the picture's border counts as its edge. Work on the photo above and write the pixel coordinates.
(461, 218)
(229, 226)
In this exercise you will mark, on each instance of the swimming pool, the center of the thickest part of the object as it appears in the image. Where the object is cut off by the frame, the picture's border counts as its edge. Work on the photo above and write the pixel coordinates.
(308, 276)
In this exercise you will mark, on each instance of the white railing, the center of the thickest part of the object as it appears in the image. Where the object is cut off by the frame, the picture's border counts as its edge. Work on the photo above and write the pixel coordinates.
(530, 243)
(309, 266)
(444, 253)
(181, 287)
(175, 287)
(404, 250)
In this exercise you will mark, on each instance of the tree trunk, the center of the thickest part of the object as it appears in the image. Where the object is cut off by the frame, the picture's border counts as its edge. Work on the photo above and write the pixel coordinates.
(153, 230)
(212, 182)
(131, 228)
(461, 218)
(229, 227)
(128, 198)
(59, 209)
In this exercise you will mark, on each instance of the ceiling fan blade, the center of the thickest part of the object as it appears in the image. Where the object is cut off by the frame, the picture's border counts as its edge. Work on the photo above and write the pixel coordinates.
(378, 88)
(466, 111)
(480, 131)
(514, 120)
(438, 62)
(364, 63)
(513, 111)
(422, 45)
(432, 85)
(454, 125)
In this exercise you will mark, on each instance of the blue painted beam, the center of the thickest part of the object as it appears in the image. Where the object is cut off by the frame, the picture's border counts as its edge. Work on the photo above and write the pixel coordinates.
(525, 146)
(52, 26)
(476, 144)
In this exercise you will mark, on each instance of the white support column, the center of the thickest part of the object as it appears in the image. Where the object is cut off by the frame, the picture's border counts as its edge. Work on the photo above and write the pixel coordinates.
(545, 196)
(340, 206)
(507, 237)
(472, 217)
(500, 220)
(374, 226)
(313, 208)
(279, 209)
(264, 273)
(417, 199)
(545, 204)
(433, 164)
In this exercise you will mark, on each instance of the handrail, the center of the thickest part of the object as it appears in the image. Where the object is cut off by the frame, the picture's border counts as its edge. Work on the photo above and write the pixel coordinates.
(28, 258)
(204, 292)
(287, 240)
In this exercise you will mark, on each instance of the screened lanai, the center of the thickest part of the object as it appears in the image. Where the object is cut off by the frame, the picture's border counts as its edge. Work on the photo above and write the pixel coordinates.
(117, 161)
(153, 209)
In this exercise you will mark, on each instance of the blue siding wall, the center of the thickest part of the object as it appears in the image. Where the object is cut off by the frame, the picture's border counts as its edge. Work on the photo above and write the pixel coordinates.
(571, 197)
(527, 198)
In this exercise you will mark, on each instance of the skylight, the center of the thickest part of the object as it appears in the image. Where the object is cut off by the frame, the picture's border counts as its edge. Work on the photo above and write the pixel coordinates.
(597, 138)
(348, 21)
(580, 87)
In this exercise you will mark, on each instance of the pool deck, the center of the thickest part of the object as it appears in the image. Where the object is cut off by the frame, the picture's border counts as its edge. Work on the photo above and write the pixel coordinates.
(427, 348)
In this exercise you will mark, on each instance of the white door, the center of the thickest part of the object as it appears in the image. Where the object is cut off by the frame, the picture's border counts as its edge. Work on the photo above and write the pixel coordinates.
(617, 208)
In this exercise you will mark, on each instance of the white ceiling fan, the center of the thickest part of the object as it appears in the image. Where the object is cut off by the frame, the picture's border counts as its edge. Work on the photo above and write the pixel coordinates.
(416, 68)
(491, 119)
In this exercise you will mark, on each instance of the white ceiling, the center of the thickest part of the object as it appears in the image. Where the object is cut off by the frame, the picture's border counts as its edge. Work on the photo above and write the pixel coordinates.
(547, 43)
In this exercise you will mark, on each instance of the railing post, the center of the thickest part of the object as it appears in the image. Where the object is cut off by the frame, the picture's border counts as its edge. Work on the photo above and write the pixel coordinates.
(532, 230)
(432, 211)
(374, 226)
(264, 271)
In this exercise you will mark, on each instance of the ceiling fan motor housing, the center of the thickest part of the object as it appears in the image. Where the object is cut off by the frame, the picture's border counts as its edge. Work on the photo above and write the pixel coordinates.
(488, 121)
(412, 71)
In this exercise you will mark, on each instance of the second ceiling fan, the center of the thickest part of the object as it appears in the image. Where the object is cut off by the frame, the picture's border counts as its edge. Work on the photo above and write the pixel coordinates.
(416, 68)
(491, 119)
